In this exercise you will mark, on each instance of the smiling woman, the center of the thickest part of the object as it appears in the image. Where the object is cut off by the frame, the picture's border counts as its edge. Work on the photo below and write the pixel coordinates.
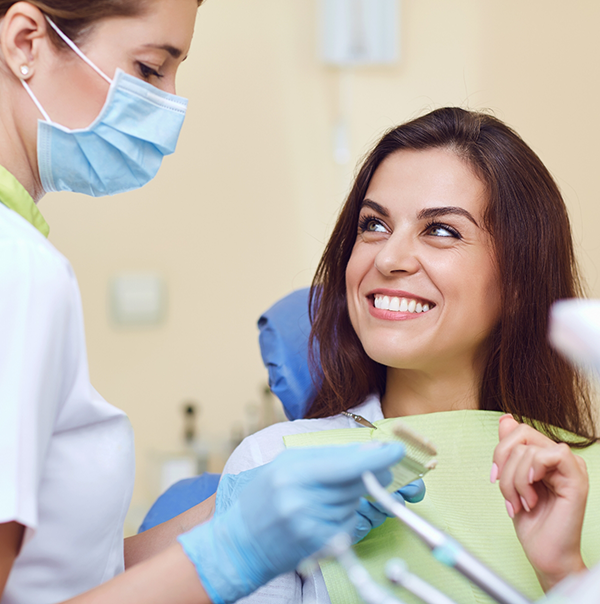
(473, 221)
(431, 303)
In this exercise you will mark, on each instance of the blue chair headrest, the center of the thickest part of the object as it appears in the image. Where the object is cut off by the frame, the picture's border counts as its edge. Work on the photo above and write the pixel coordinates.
(284, 331)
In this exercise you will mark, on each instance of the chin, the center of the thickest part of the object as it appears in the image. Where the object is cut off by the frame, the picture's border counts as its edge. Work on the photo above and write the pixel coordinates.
(394, 358)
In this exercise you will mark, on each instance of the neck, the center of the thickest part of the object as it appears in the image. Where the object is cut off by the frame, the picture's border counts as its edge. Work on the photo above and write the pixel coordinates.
(17, 155)
(415, 392)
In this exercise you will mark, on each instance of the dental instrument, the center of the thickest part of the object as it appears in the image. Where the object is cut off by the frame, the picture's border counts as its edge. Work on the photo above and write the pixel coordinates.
(445, 549)
(396, 571)
(368, 589)
(418, 458)
(359, 419)
(419, 452)
(574, 330)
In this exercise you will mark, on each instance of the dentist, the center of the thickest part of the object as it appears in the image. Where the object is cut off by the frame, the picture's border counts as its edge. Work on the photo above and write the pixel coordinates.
(88, 104)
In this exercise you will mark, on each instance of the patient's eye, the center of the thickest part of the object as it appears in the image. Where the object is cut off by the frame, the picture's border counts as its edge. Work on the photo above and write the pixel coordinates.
(438, 229)
(371, 224)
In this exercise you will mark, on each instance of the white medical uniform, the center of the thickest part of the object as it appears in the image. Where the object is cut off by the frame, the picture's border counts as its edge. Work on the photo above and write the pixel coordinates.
(66, 455)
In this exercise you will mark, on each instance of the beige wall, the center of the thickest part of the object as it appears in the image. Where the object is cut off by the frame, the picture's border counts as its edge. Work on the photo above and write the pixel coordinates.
(239, 215)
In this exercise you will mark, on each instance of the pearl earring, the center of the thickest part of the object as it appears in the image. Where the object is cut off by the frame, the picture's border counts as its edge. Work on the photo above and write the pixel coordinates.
(24, 70)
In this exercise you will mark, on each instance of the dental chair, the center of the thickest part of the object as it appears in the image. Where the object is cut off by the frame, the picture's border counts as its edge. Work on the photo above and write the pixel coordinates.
(284, 329)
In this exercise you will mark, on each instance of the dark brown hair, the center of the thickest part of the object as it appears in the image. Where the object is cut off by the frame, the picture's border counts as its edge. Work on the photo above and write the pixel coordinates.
(76, 17)
(527, 219)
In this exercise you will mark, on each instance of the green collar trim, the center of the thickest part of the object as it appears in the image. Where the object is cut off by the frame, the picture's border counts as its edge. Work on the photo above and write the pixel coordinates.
(14, 196)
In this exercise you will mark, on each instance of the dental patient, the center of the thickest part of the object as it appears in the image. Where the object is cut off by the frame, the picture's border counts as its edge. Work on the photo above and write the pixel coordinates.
(430, 304)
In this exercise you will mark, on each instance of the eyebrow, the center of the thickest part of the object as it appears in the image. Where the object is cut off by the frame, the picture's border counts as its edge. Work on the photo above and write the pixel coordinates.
(423, 214)
(368, 203)
(444, 211)
(174, 52)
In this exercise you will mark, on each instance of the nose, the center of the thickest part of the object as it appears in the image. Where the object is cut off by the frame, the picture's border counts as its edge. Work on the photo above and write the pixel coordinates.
(168, 85)
(398, 255)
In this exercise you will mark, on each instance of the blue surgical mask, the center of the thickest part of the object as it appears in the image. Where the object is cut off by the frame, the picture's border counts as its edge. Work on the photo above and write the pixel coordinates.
(122, 149)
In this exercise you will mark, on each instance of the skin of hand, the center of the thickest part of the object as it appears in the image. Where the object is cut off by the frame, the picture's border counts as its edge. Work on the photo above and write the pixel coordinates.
(545, 486)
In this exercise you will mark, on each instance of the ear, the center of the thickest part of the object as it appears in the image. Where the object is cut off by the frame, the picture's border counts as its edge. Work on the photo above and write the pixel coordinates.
(24, 35)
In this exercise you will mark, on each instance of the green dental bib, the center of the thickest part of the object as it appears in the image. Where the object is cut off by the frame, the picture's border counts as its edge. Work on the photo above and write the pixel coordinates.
(461, 501)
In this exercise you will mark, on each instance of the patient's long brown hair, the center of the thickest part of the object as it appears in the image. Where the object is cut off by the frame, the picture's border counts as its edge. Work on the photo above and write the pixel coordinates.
(528, 221)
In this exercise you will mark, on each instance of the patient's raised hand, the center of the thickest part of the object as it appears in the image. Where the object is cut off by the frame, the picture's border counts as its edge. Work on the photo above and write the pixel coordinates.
(545, 486)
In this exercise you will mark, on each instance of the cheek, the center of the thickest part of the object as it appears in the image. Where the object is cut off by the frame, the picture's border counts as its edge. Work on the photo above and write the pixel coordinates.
(484, 299)
(352, 282)
(358, 266)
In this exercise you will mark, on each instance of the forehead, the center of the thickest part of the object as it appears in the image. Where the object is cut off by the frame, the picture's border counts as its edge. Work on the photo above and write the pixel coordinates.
(409, 179)
(163, 23)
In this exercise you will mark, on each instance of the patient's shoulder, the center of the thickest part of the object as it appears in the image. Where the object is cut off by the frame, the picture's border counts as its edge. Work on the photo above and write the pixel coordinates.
(263, 446)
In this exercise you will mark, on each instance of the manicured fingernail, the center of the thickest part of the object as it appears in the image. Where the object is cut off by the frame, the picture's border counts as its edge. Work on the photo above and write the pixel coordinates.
(509, 508)
(505, 416)
(530, 476)
(527, 509)
(494, 473)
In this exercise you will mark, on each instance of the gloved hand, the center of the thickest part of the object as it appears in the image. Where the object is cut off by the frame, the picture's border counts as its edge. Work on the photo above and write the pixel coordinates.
(371, 514)
(291, 509)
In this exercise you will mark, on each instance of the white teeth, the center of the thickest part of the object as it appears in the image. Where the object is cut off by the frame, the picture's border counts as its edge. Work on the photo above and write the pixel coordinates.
(399, 304)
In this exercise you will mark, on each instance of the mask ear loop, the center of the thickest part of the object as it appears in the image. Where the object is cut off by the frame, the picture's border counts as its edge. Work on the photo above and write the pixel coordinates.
(34, 99)
(76, 50)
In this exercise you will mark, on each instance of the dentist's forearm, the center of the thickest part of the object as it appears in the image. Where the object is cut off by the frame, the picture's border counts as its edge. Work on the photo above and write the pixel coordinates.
(168, 577)
(155, 540)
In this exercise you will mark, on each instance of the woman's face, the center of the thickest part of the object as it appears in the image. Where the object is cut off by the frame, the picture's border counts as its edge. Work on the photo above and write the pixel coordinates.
(422, 282)
(149, 46)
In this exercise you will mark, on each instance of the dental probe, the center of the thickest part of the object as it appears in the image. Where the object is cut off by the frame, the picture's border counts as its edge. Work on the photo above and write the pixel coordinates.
(445, 549)
(396, 571)
(368, 589)
(359, 419)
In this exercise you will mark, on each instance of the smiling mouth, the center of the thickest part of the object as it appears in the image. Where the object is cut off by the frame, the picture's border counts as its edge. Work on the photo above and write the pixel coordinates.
(394, 304)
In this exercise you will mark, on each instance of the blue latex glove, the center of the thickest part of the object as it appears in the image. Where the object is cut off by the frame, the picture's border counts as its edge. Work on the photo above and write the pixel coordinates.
(371, 514)
(288, 511)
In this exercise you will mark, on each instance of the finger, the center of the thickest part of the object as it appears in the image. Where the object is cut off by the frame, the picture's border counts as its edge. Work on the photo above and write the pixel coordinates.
(413, 492)
(563, 471)
(349, 465)
(362, 528)
(507, 479)
(331, 514)
(506, 424)
(528, 495)
(338, 493)
(520, 435)
(372, 513)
